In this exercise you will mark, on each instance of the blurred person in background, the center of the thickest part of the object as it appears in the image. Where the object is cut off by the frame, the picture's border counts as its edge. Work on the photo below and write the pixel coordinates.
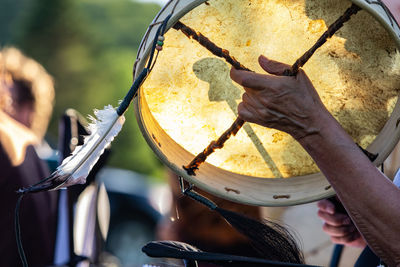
(26, 102)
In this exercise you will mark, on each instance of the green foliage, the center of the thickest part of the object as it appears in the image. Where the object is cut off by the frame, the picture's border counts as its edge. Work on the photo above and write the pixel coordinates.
(89, 46)
(9, 11)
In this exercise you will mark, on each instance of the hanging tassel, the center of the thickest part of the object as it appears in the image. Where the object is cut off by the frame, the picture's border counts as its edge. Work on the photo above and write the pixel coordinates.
(269, 239)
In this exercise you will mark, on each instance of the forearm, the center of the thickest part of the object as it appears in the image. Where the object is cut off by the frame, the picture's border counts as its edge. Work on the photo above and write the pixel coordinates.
(372, 200)
(292, 105)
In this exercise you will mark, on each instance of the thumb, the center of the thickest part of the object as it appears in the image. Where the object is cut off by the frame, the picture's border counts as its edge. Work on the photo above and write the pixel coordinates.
(272, 66)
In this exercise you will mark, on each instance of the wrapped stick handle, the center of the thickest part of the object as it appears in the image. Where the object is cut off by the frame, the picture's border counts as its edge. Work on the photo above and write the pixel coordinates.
(200, 158)
(209, 45)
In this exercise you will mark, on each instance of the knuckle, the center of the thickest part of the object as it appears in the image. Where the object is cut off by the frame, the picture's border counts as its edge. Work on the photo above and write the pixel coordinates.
(245, 96)
(334, 221)
(246, 80)
(326, 228)
(265, 101)
(301, 72)
(334, 230)
(321, 214)
(324, 215)
(263, 112)
(322, 204)
(241, 108)
(244, 112)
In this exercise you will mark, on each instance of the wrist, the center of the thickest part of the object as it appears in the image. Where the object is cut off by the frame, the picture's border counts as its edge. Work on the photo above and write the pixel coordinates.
(318, 127)
(328, 134)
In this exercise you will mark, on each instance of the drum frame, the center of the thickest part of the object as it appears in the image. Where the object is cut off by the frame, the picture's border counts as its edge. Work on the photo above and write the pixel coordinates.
(241, 188)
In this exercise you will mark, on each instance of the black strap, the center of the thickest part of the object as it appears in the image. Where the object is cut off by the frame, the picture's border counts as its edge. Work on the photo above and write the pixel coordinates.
(180, 250)
(372, 157)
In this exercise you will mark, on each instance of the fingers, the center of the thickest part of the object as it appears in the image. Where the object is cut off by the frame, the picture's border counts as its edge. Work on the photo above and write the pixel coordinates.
(251, 109)
(338, 225)
(326, 206)
(337, 219)
(251, 99)
(339, 231)
(280, 102)
(252, 80)
(272, 66)
(349, 239)
(246, 113)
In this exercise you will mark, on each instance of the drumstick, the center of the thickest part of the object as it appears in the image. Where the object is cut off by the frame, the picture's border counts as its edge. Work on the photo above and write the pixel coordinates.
(209, 45)
(223, 53)
(200, 158)
(332, 29)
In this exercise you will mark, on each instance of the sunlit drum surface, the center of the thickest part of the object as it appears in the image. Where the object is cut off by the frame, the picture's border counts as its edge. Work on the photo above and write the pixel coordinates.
(190, 93)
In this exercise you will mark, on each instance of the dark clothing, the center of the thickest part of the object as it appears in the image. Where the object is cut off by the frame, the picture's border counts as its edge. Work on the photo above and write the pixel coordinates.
(367, 258)
(37, 214)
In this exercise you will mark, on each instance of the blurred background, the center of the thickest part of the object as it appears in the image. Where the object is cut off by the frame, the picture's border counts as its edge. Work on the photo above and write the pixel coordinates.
(89, 47)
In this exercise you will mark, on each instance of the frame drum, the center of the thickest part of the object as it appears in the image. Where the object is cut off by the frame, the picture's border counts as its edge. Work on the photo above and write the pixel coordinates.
(188, 100)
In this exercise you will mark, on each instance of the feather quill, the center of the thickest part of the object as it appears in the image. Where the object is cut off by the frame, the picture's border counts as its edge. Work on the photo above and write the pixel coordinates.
(103, 128)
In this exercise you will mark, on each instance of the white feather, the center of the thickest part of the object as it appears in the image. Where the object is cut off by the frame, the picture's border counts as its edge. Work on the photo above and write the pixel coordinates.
(75, 168)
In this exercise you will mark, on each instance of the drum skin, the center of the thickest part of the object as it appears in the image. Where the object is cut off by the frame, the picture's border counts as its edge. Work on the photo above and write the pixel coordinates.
(189, 99)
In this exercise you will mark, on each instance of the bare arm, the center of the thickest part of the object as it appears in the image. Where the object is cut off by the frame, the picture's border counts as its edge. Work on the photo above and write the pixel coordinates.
(372, 200)
(291, 104)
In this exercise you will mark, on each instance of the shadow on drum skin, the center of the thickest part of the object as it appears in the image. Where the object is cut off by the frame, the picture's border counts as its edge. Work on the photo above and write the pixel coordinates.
(216, 72)
(364, 46)
(348, 117)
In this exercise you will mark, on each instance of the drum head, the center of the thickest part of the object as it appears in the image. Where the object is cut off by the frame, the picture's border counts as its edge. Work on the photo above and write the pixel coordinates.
(188, 100)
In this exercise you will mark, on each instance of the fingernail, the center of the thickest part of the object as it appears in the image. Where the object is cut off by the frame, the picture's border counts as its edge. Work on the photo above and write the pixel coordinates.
(263, 58)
